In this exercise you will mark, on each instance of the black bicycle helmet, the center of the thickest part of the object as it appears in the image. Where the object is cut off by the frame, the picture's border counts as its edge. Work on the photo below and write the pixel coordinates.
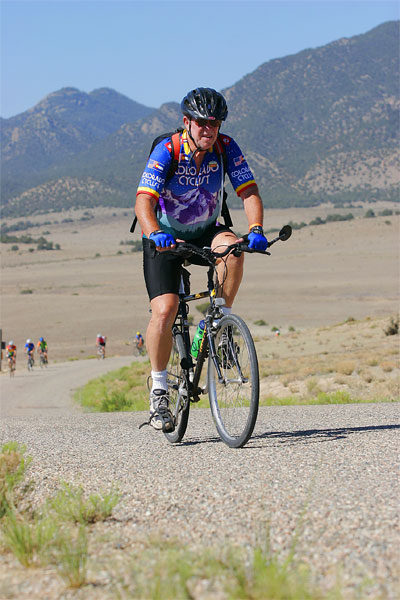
(204, 103)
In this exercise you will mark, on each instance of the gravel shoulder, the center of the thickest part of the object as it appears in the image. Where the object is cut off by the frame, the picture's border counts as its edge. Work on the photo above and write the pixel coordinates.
(329, 471)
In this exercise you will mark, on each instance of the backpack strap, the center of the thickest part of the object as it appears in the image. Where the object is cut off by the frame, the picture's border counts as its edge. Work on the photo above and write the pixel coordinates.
(224, 208)
(175, 149)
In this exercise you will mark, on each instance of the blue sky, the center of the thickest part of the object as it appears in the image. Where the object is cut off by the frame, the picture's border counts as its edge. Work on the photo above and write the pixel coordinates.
(154, 52)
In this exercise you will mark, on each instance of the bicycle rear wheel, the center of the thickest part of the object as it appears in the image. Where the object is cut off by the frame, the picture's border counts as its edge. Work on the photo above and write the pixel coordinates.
(234, 399)
(178, 389)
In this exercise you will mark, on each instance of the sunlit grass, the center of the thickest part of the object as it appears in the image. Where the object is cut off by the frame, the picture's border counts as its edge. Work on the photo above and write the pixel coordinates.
(122, 390)
(72, 504)
(167, 570)
(55, 532)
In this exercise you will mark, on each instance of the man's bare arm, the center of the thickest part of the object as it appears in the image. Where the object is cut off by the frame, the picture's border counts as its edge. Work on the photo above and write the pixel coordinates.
(145, 212)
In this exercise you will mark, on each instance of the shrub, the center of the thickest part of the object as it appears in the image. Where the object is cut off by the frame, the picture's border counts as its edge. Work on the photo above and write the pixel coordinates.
(27, 539)
(260, 322)
(116, 402)
(70, 555)
(13, 467)
(345, 367)
(70, 504)
(203, 307)
(393, 327)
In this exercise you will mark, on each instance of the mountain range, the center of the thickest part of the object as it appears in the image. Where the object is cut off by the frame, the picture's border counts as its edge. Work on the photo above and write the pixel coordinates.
(320, 125)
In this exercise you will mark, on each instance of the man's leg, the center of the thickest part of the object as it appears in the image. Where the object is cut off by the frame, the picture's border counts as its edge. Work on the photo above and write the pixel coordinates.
(159, 331)
(159, 344)
(230, 270)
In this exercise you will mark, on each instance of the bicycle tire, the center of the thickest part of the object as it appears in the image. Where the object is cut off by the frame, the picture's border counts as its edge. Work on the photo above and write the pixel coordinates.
(234, 400)
(177, 387)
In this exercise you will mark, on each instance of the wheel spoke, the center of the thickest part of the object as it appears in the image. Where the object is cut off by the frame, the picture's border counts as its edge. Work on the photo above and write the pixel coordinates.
(177, 387)
(234, 398)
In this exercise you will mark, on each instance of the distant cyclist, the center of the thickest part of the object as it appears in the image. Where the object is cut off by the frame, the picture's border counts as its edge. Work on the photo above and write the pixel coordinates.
(42, 349)
(139, 342)
(30, 349)
(101, 344)
(11, 350)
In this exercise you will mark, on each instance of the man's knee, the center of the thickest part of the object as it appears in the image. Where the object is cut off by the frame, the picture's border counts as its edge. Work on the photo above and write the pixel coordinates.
(163, 308)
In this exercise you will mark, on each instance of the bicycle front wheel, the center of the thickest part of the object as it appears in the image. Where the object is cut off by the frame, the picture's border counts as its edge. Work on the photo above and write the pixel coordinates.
(234, 396)
(178, 389)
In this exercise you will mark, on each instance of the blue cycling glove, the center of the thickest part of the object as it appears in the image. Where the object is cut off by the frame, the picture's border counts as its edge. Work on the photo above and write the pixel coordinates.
(161, 239)
(257, 241)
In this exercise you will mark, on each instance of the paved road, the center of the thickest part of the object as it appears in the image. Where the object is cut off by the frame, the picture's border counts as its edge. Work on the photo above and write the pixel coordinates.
(336, 464)
(49, 390)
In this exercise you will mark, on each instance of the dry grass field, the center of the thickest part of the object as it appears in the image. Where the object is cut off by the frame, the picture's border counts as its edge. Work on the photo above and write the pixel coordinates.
(331, 290)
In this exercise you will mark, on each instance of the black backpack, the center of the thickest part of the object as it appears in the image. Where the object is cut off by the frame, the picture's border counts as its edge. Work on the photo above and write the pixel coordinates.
(175, 147)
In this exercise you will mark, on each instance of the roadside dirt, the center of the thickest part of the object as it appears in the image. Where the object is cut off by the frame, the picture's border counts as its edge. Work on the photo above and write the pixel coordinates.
(322, 276)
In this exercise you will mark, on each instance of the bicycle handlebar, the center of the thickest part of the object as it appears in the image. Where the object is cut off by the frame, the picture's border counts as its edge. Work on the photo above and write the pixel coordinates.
(186, 248)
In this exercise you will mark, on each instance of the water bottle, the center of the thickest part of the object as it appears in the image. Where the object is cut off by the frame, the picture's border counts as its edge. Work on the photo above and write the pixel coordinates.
(198, 336)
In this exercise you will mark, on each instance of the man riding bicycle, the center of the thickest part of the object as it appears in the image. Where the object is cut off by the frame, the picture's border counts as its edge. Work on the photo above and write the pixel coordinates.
(101, 343)
(29, 348)
(187, 207)
(11, 350)
(139, 341)
(42, 348)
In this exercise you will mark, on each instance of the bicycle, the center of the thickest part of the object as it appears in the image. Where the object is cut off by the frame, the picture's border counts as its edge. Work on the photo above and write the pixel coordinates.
(138, 350)
(43, 360)
(232, 382)
(101, 352)
(11, 366)
(30, 362)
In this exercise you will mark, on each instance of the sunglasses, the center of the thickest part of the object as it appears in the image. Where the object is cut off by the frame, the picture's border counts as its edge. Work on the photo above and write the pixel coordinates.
(205, 122)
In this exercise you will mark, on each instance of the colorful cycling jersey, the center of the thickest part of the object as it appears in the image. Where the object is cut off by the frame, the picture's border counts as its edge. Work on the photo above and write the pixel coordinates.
(42, 346)
(101, 340)
(11, 350)
(30, 347)
(190, 202)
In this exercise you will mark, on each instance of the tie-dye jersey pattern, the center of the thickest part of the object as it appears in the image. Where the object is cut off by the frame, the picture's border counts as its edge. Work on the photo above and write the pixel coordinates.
(190, 201)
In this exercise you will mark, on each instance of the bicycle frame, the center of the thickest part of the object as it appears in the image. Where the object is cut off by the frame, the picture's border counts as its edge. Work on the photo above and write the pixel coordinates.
(207, 345)
(226, 343)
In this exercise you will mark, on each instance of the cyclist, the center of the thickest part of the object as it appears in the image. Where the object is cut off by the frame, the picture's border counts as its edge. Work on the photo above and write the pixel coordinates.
(11, 350)
(42, 348)
(187, 208)
(101, 343)
(139, 341)
(30, 348)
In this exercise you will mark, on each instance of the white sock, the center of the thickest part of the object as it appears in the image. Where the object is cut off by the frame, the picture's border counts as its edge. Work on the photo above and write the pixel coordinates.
(159, 379)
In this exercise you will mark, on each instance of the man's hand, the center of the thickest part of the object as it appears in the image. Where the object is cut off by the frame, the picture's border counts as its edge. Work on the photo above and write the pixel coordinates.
(257, 241)
(162, 240)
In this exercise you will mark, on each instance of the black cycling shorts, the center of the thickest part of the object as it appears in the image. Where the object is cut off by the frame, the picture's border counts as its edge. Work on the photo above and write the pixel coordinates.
(162, 269)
